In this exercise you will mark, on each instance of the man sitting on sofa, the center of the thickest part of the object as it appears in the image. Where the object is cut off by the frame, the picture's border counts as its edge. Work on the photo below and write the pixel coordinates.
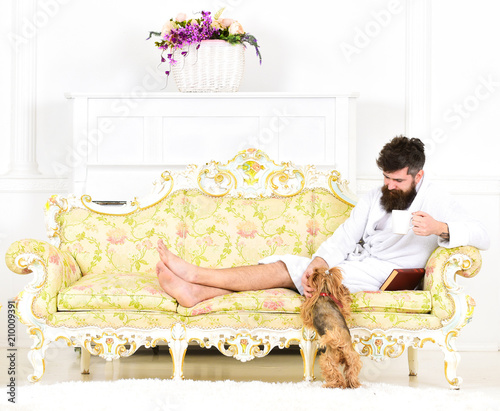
(364, 246)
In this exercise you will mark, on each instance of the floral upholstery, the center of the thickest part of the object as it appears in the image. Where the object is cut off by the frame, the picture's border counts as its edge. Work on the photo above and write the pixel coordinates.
(116, 291)
(103, 272)
(62, 267)
(277, 300)
(409, 302)
(103, 243)
(443, 305)
(391, 320)
(207, 231)
(145, 320)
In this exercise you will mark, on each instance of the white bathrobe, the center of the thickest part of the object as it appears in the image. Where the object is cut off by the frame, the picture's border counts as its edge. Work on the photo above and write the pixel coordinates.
(367, 266)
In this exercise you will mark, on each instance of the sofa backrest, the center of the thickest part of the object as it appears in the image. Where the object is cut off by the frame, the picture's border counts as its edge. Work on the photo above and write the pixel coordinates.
(207, 229)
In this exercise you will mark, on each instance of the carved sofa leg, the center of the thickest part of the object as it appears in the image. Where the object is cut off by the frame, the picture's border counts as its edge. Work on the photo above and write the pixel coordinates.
(36, 355)
(85, 361)
(413, 361)
(178, 347)
(451, 361)
(308, 350)
(178, 352)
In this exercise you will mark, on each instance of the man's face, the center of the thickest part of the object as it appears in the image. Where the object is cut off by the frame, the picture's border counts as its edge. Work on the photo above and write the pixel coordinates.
(399, 190)
(401, 180)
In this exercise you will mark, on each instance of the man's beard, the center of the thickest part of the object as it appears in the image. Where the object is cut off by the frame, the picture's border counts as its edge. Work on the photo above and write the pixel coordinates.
(397, 199)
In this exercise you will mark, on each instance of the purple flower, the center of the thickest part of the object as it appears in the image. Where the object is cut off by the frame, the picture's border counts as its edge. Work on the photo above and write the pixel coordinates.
(185, 33)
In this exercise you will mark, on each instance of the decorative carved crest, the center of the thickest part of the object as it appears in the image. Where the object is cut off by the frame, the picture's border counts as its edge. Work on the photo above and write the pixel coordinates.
(250, 174)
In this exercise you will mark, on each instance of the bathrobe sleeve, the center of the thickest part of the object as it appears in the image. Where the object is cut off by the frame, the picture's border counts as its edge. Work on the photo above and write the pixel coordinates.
(463, 229)
(344, 240)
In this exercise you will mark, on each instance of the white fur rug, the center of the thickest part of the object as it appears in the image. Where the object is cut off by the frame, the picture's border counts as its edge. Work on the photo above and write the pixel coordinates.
(167, 395)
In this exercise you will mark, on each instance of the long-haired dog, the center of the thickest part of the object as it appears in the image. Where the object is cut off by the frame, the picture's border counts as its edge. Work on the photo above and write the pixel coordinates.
(326, 311)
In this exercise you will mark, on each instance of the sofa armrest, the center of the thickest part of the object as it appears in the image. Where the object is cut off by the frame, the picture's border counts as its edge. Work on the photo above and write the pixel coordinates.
(448, 298)
(53, 271)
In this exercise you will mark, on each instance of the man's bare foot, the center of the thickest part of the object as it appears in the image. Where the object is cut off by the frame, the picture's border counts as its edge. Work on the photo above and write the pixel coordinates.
(176, 287)
(177, 265)
(186, 294)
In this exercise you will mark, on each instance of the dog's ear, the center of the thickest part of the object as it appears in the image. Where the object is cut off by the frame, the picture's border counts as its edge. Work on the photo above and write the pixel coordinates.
(315, 279)
(336, 274)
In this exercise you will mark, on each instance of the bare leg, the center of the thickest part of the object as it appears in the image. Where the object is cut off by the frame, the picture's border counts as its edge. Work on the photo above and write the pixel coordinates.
(255, 277)
(185, 293)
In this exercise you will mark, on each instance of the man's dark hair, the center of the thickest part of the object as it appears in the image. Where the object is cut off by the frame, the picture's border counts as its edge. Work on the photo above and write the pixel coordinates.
(402, 152)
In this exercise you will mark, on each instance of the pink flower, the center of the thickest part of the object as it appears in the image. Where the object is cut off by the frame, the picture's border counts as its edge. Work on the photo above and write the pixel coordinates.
(152, 290)
(275, 292)
(226, 22)
(216, 24)
(116, 236)
(205, 240)
(181, 17)
(54, 259)
(182, 230)
(167, 28)
(255, 166)
(77, 248)
(247, 229)
(273, 305)
(204, 310)
(312, 227)
(147, 244)
(278, 241)
(236, 28)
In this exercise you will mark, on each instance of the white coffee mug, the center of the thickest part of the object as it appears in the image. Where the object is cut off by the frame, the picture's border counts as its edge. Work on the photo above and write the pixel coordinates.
(401, 221)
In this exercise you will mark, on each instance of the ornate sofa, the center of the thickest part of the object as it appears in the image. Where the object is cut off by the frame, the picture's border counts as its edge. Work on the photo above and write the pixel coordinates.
(94, 284)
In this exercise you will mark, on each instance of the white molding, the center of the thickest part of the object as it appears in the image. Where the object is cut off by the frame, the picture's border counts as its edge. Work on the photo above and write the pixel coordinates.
(24, 64)
(35, 185)
(179, 95)
(418, 64)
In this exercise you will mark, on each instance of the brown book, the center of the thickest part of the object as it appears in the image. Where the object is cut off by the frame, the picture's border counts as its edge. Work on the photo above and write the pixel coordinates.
(403, 279)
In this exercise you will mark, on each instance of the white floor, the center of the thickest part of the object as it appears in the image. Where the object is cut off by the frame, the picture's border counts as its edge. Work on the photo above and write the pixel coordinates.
(479, 370)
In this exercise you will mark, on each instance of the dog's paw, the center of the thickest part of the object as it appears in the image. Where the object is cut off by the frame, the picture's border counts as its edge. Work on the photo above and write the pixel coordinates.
(334, 384)
(353, 384)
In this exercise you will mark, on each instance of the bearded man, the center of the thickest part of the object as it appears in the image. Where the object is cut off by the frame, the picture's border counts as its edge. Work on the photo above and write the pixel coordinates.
(364, 246)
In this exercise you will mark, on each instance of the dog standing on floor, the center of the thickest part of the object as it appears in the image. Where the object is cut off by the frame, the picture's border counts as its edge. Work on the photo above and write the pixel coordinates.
(326, 311)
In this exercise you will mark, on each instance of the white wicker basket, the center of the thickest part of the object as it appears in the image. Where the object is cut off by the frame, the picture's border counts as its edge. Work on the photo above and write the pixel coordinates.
(216, 66)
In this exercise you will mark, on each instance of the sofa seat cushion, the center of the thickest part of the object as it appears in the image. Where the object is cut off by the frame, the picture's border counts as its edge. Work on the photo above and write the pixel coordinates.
(409, 302)
(116, 291)
(390, 321)
(276, 300)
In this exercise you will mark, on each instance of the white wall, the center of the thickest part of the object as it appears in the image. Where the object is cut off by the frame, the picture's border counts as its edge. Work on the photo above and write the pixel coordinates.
(316, 47)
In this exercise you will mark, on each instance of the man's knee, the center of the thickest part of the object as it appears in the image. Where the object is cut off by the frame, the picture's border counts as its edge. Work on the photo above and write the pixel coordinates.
(287, 281)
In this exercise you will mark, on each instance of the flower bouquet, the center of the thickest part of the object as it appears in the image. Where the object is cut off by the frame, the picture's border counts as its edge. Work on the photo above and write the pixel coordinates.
(204, 54)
